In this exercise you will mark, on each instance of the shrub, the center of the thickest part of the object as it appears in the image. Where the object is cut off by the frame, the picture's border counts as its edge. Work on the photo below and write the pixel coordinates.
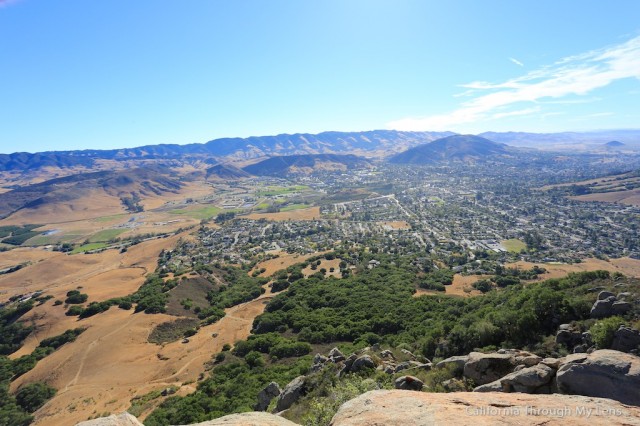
(603, 331)
(74, 310)
(254, 359)
(75, 297)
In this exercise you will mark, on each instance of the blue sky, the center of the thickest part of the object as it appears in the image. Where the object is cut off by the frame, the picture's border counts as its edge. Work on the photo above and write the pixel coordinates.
(116, 73)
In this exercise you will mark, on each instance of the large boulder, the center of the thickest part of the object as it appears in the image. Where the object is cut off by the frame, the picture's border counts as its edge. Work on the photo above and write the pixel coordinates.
(604, 373)
(603, 307)
(361, 363)
(626, 339)
(528, 380)
(486, 368)
(265, 396)
(122, 419)
(409, 383)
(604, 295)
(406, 408)
(456, 363)
(291, 393)
(621, 308)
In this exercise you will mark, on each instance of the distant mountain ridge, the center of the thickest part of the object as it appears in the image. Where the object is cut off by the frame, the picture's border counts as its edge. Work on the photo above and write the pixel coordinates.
(378, 143)
(278, 166)
(229, 149)
(456, 147)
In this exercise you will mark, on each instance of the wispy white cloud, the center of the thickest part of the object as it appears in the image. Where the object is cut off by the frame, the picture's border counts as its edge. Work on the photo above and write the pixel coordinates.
(572, 76)
(526, 111)
(517, 62)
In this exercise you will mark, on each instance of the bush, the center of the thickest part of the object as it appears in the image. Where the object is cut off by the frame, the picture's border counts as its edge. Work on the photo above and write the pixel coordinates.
(254, 359)
(75, 297)
(483, 285)
(74, 310)
(603, 331)
(280, 285)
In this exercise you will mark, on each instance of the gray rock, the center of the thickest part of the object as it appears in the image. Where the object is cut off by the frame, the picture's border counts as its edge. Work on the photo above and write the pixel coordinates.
(318, 362)
(402, 366)
(291, 393)
(272, 390)
(602, 308)
(335, 355)
(626, 339)
(495, 386)
(529, 360)
(387, 354)
(623, 295)
(361, 363)
(604, 373)
(619, 308)
(457, 361)
(388, 368)
(528, 379)
(587, 338)
(320, 359)
(408, 383)
(603, 295)
(551, 362)
(580, 349)
(486, 368)
(565, 327)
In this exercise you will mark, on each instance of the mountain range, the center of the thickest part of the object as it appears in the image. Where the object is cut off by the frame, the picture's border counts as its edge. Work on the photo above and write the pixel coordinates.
(376, 143)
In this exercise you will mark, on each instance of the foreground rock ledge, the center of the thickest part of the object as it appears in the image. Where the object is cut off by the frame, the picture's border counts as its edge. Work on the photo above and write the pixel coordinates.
(409, 408)
(243, 419)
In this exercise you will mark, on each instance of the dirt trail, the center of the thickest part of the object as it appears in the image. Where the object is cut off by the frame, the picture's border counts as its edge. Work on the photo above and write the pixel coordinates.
(112, 362)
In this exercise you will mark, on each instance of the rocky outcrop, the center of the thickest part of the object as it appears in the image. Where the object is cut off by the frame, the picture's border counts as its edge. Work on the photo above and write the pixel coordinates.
(399, 407)
(248, 419)
(609, 304)
(605, 373)
(626, 339)
(266, 395)
(291, 393)
(122, 419)
(486, 368)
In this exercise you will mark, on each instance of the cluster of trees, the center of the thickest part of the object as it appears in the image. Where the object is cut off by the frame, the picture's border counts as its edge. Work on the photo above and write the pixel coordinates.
(437, 279)
(132, 204)
(273, 344)
(377, 306)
